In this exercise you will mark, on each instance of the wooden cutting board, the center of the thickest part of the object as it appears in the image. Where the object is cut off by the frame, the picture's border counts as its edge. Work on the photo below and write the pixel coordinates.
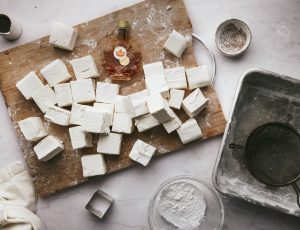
(151, 23)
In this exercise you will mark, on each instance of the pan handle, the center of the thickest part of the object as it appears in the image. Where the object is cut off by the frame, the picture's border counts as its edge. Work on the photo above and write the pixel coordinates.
(235, 146)
(297, 190)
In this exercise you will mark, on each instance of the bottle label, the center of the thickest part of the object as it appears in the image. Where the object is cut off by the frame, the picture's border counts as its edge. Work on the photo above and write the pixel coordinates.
(120, 52)
(124, 61)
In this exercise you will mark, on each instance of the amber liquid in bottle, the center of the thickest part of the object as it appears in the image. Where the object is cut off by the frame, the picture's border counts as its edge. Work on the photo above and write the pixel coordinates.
(121, 61)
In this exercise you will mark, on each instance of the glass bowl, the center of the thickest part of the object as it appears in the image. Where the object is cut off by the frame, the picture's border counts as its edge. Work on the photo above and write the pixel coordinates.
(214, 214)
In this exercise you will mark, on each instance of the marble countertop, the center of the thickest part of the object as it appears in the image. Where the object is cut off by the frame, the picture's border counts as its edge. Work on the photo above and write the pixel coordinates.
(275, 26)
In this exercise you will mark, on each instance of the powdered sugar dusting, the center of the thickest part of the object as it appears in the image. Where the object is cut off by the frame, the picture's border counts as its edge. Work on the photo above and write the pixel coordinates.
(91, 43)
(182, 204)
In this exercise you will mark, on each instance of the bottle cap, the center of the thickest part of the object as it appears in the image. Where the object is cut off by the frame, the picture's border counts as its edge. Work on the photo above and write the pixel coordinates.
(123, 24)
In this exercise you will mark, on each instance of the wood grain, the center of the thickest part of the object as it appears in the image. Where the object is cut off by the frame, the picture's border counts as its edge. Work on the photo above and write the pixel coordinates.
(151, 24)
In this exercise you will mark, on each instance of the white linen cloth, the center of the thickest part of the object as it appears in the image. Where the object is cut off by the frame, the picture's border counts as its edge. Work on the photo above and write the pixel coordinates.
(18, 200)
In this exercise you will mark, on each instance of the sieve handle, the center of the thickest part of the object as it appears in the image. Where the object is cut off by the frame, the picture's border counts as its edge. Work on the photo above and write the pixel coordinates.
(235, 146)
(297, 190)
(289, 119)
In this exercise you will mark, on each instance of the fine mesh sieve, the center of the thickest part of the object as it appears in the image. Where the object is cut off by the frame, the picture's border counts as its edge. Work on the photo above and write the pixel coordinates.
(272, 154)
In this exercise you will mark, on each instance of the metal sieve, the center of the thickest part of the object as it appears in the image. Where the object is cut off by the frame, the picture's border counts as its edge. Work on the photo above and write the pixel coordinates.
(272, 154)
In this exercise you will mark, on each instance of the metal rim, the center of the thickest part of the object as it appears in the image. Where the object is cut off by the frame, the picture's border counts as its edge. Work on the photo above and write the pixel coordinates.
(254, 132)
(212, 57)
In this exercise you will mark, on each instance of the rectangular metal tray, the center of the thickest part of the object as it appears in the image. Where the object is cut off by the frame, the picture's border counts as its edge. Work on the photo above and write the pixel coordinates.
(261, 97)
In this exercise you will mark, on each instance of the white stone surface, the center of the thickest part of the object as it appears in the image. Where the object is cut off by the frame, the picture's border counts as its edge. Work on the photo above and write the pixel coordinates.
(275, 46)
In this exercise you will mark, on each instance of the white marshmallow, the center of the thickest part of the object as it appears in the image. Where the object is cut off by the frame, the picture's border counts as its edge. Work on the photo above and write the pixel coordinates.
(48, 148)
(123, 105)
(155, 78)
(95, 121)
(157, 83)
(153, 69)
(80, 138)
(83, 91)
(173, 124)
(110, 144)
(122, 123)
(189, 131)
(29, 84)
(176, 97)
(63, 94)
(55, 72)
(158, 107)
(175, 78)
(106, 108)
(194, 103)
(142, 152)
(145, 122)
(58, 115)
(93, 165)
(33, 128)
(106, 92)
(77, 114)
(84, 67)
(198, 77)
(176, 44)
(44, 98)
(139, 104)
(63, 36)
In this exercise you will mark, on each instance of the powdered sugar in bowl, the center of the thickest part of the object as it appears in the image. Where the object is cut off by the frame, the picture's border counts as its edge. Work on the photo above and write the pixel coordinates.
(186, 203)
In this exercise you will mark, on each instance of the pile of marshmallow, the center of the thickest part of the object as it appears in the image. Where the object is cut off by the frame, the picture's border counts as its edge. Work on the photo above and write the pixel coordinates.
(97, 107)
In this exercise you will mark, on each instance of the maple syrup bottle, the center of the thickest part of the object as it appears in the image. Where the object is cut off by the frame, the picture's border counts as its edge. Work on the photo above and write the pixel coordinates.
(121, 61)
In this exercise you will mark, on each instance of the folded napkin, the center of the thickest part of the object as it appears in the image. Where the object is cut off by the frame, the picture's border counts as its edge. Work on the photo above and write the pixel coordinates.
(18, 200)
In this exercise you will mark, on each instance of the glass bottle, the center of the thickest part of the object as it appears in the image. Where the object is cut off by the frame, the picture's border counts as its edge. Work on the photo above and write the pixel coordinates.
(121, 61)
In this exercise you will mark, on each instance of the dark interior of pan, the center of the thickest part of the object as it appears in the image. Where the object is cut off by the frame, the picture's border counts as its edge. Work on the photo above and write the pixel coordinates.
(272, 154)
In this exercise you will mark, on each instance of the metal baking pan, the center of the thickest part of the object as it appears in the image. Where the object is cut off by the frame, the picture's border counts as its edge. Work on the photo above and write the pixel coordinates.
(261, 97)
